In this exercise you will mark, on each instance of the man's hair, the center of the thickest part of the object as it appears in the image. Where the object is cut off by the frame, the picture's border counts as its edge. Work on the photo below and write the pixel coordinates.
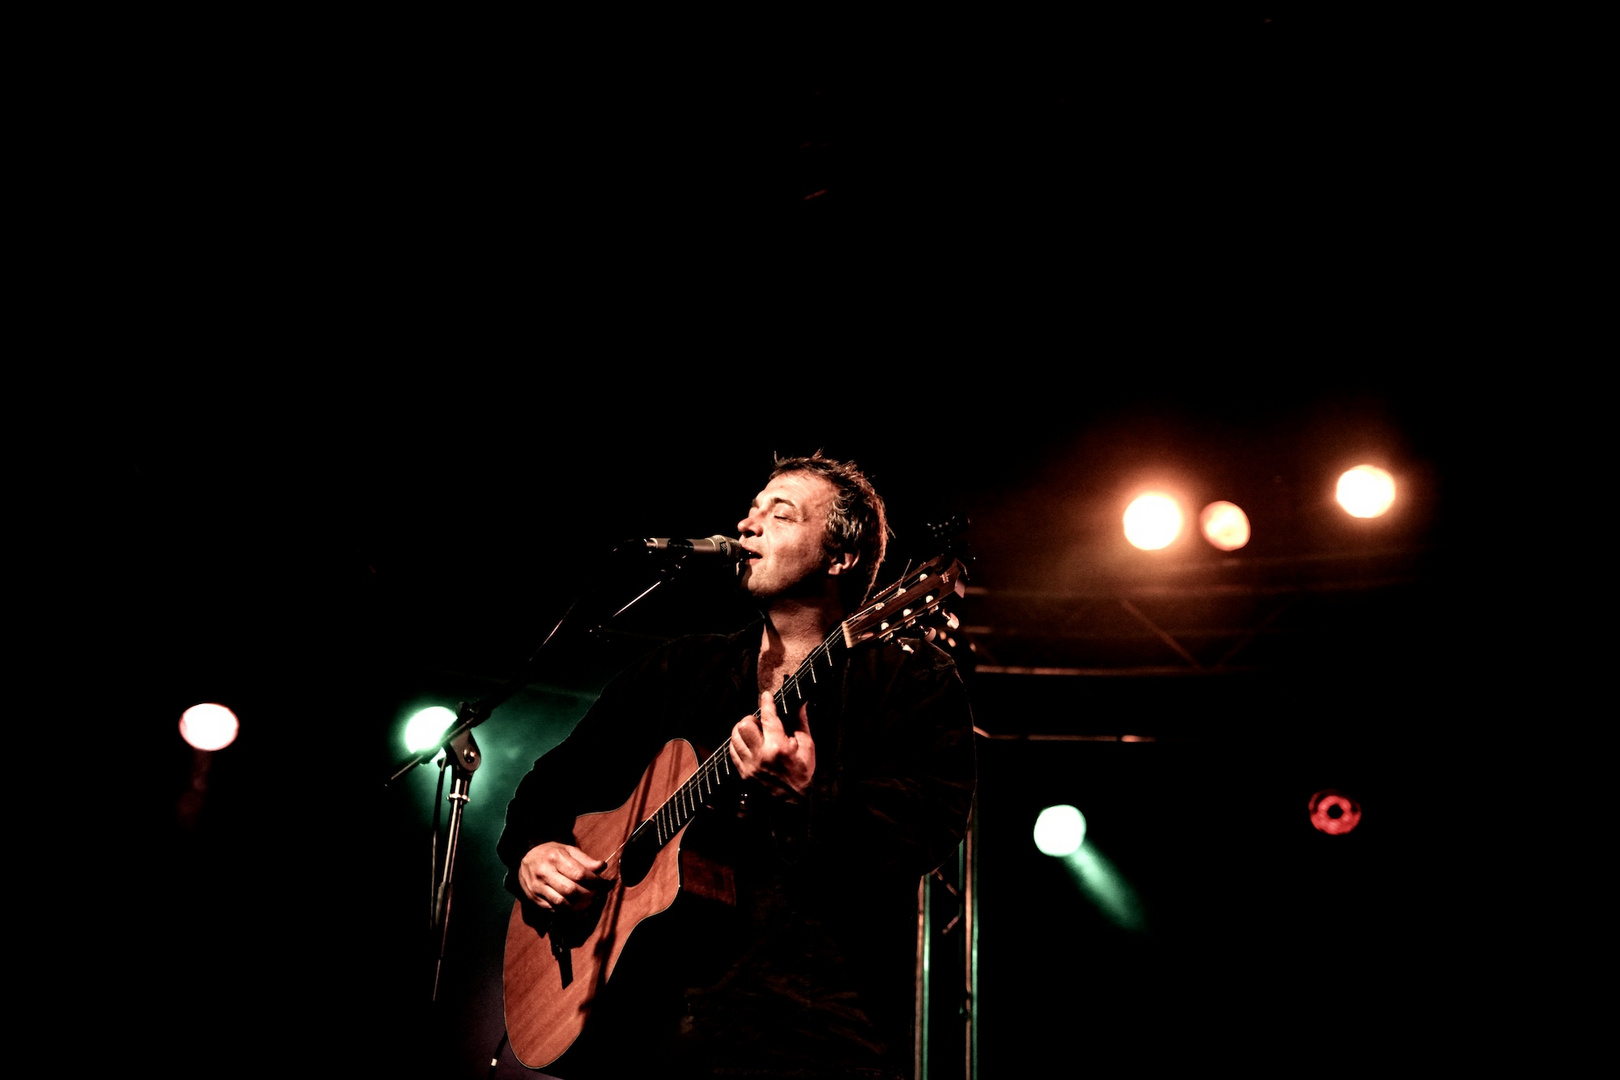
(856, 523)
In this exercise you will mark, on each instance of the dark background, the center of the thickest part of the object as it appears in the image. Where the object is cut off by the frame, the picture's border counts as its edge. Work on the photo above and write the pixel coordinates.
(415, 368)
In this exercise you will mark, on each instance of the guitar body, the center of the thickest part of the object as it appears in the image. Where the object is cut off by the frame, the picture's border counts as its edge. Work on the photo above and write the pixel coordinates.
(551, 978)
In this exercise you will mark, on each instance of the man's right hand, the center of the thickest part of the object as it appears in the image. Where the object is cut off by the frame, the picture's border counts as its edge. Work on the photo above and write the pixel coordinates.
(557, 876)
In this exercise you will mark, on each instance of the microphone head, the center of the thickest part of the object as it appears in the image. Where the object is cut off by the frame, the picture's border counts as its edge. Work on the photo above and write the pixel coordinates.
(723, 546)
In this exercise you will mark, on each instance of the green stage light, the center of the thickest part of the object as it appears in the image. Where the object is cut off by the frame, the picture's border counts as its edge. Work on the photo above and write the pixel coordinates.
(427, 727)
(1060, 830)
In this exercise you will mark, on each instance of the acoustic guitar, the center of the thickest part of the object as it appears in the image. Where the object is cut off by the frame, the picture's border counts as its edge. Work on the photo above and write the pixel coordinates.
(555, 967)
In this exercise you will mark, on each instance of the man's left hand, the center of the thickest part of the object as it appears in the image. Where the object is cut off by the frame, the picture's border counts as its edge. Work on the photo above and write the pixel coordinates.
(765, 753)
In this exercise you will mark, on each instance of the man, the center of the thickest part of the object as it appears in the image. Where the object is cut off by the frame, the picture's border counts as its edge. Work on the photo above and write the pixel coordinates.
(842, 808)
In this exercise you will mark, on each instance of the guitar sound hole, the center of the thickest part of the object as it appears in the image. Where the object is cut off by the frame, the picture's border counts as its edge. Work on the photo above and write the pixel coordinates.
(637, 860)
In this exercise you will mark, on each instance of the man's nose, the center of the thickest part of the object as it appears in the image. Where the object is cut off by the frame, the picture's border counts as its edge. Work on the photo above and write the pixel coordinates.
(746, 526)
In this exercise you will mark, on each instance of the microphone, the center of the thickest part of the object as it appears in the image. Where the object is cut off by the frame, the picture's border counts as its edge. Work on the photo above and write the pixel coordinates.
(722, 546)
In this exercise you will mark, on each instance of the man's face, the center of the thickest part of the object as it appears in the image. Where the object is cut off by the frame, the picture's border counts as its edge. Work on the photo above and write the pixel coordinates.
(783, 533)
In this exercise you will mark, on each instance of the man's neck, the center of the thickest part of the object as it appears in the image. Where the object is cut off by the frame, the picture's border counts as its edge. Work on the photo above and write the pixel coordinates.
(791, 633)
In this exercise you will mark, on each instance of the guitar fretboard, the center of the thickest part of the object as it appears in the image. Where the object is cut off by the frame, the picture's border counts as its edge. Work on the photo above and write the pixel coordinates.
(715, 773)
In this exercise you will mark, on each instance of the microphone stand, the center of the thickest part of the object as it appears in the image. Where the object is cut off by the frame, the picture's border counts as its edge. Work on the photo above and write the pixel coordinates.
(462, 756)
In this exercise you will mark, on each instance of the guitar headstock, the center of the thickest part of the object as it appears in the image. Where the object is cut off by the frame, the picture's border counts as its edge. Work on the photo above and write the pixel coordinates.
(915, 601)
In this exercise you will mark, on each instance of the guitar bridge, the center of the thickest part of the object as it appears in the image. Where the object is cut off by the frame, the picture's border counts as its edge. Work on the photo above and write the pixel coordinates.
(564, 956)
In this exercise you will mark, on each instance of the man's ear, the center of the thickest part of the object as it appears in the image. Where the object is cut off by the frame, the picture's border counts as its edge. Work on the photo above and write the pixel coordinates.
(842, 563)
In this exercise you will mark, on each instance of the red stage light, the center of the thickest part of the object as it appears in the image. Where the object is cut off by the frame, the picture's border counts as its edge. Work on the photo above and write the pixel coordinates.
(1334, 813)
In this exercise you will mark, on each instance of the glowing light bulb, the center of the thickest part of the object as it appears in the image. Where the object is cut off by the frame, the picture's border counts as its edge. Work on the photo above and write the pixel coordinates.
(1366, 491)
(426, 728)
(1225, 525)
(208, 726)
(1152, 522)
(1060, 830)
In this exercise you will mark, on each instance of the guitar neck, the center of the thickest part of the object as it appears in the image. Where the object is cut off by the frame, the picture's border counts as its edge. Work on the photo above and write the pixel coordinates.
(802, 685)
(904, 604)
(716, 773)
